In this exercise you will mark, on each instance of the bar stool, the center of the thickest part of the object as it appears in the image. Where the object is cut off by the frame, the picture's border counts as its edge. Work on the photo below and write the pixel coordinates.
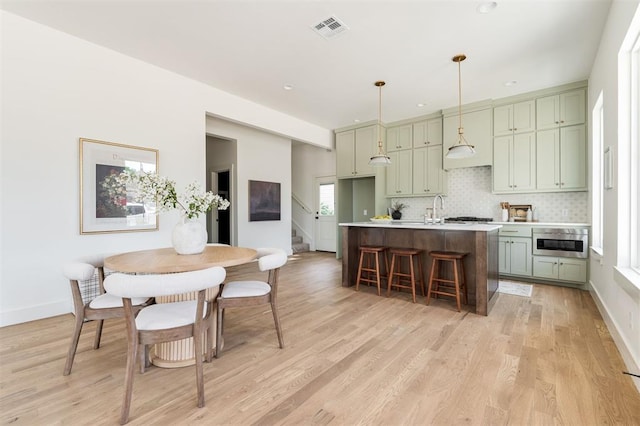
(451, 288)
(369, 266)
(413, 255)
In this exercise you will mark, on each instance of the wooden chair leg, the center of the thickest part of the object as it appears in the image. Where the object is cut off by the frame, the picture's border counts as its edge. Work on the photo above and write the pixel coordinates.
(413, 278)
(393, 265)
(128, 381)
(456, 283)
(197, 349)
(209, 343)
(274, 309)
(359, 271)
(219, 332)
(96, 341)
(74, 344)
(378, 272)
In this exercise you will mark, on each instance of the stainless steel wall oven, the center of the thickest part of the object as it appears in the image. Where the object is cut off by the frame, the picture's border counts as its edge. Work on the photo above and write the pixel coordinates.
(561, 242)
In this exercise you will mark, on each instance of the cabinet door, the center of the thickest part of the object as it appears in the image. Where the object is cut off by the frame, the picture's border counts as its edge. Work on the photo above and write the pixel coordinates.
(399, 175)
(548, 112)
(572, 108)
(477, 131)
(399, 137)
(521, 256)
(345, 145)
(366, 145)
(436, 177)
(524, 117)
(503, 120)
(504, 255)
(427, 133)
(502, 164)
(545, 267)
(548, 159)
(572, 270)
(523, 162)
(573, 158)
(428, 176)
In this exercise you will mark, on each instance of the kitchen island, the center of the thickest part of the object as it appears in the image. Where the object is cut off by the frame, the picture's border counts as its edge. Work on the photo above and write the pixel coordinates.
(480, 241)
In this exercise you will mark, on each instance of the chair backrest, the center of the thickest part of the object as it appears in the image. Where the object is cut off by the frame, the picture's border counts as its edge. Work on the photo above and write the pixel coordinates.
(152, 285)
(86, 276)
(271, 258)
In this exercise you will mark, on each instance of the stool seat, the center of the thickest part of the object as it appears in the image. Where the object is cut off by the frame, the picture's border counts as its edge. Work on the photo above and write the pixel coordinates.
(440, 286)
(396, 272)
(369, 270)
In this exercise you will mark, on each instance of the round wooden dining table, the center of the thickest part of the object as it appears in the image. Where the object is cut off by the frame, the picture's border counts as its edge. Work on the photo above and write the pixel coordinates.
(166, 261)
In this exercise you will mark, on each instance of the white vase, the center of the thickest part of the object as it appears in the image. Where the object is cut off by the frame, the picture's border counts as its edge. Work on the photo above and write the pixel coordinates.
(189, 236)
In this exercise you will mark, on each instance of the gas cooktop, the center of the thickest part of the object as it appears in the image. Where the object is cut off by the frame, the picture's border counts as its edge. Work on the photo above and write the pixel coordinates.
(468, 219)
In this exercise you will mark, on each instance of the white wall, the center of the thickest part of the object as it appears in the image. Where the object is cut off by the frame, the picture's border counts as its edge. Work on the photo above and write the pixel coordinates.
(307, 164)
(619, 301)
(265, 157)
(56, 89)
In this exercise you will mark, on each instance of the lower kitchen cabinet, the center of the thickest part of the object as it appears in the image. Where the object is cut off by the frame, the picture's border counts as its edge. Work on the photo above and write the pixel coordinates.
(515, 256)
(560, 268)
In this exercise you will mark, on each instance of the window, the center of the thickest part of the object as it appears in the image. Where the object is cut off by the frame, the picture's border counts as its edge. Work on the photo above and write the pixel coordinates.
(327, 199)
(628, 156)
(597, 183)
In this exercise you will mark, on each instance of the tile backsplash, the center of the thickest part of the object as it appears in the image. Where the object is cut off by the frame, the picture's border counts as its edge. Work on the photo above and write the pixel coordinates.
(470, 194)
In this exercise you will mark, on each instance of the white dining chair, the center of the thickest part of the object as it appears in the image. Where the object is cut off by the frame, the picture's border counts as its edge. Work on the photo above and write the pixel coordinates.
(90, 302)
(165, 322)
(253, 292)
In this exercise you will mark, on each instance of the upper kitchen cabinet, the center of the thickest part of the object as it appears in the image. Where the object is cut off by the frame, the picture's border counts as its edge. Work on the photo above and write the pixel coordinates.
(514, 163)
(564, 109)
(399, 175)
(562, 159)
(514, 118)
(354, 148)
(428, 177)
(427, 133)
(399, 137)
(477, 124)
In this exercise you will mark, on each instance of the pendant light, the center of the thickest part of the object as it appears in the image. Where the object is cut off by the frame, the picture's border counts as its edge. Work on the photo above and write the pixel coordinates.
(381, 158)
(462, 149)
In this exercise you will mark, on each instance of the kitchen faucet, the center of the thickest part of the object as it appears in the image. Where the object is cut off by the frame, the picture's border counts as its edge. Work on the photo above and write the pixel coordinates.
(435, 212)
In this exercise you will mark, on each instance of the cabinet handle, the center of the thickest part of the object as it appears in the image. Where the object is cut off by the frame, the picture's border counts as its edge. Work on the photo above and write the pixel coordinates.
(557, 184)
(557, 122)
(562, 121)
(515, 186)
(515, 129)
(561, 183)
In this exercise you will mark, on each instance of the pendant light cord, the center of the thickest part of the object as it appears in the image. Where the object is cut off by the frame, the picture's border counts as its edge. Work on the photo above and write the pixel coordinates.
(459, 100)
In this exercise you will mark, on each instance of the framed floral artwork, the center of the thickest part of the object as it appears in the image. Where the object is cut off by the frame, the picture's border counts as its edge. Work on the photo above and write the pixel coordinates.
(105, 205)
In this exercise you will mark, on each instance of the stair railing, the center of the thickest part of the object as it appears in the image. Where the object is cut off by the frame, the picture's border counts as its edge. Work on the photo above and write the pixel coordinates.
(301, 203)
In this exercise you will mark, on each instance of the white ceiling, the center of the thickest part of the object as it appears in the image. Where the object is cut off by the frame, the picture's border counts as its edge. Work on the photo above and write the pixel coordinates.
(253, 48)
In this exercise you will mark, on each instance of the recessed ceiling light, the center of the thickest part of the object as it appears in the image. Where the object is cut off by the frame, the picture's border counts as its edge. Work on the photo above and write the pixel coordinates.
(356, 120)
(287, 87)
(486, 7)
(420, 105)
(511, 83)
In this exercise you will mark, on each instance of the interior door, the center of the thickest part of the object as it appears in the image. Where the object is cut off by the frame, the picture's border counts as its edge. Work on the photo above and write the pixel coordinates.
(212, 225)
(325, 219)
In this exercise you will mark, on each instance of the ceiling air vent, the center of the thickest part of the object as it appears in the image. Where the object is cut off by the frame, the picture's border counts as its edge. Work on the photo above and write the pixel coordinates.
(330, 27)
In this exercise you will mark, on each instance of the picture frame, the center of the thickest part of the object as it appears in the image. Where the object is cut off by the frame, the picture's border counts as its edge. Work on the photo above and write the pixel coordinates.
(264, 201)
(108, 208)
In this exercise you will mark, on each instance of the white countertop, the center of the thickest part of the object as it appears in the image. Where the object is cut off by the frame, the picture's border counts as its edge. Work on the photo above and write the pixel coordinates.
(404, 224)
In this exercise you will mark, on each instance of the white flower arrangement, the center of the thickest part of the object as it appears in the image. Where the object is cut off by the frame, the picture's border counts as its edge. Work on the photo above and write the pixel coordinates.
(159, 190)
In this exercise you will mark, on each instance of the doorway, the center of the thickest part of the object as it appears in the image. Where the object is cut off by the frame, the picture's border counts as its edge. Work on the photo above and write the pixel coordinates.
(219, 221)
(325, 223)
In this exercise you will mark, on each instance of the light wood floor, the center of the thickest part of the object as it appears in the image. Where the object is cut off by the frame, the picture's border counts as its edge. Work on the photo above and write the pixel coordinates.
(350, 358)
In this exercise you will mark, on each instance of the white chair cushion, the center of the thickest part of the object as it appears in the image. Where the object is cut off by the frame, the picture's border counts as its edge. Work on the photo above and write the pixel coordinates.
(167, 315)
(110, 301)
(245, 289)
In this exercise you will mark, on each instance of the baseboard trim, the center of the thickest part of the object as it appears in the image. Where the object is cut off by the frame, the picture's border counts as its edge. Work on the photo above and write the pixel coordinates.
(621, 344)
(33, 313)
